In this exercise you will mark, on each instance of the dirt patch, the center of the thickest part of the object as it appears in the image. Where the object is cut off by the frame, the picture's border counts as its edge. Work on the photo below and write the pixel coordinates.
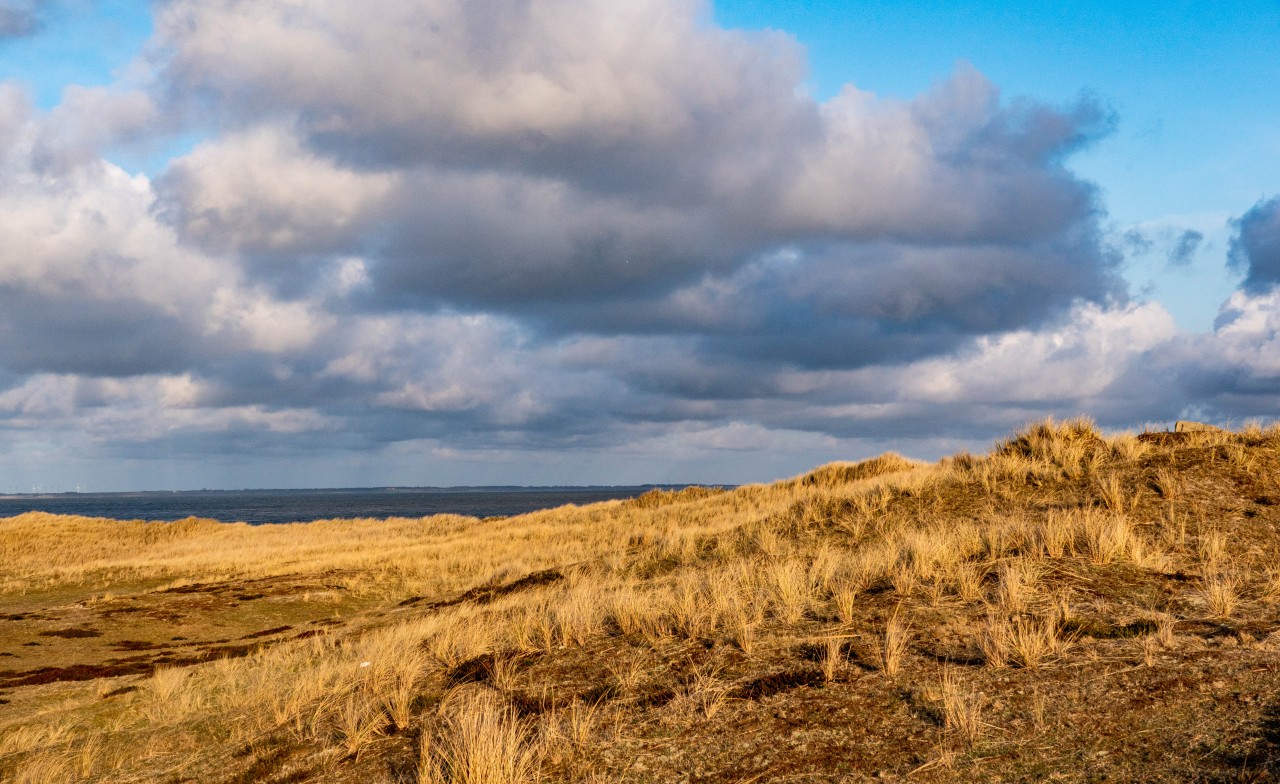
(477, 670)
(138, 645)
(266, 632)
(778, 682)
(1101, 630)
(266, 769)
(486, 594)
(120, 611)
(195, 588)
(72, 634)
(76, 672)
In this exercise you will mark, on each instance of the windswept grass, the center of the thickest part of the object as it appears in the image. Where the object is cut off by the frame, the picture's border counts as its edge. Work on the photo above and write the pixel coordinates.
(708, 630)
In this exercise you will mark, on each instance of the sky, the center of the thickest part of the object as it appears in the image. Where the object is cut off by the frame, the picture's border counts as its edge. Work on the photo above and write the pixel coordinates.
(292, 243)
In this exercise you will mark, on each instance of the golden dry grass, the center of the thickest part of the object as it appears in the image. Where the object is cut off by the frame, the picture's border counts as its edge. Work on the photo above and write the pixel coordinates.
(669, 612)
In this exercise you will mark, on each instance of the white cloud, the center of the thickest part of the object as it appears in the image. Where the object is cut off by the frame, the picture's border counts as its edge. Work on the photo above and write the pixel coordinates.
(1078, 360)
(260, 190)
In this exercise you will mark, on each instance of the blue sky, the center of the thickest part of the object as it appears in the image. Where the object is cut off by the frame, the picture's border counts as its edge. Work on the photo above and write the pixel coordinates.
(572, 241)
(86, 42)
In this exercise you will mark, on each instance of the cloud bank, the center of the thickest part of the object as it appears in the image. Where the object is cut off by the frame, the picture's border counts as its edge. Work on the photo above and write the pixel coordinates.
(587, 233)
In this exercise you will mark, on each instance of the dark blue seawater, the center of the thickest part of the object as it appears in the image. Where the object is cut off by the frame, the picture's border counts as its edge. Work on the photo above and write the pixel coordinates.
(286, 506)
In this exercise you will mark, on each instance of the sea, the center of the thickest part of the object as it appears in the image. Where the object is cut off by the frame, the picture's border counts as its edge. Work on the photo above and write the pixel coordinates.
(287, 506)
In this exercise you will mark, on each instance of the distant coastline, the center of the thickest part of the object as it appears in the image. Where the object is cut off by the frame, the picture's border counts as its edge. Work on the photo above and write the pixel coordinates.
(351, 490)
(304, 504)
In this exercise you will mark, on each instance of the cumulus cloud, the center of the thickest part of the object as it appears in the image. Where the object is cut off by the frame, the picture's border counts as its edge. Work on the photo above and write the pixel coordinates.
(575, 163)
(552, 227)
(92, 283)
(88, 121)
(260, 192)
(1256, 246)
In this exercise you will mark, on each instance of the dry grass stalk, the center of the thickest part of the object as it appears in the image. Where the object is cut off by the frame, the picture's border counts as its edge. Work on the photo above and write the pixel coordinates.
(1114, 494)
(453, 643)
(33, 737)
(790, 589)
(961, 709)
(1018, 580)
(1240, 457)
(397, 695)
(628, 609)
(968, 581)
(823, 568)
(894, 643)
(504, 672)
(994, 642)
(905, 577)
(1167, 483)
(743, 621)
(1126, 446)
(1211, 547)
(1056, 534)
(1149, 646)
(845, 598)
(1173, 528)
(1024, 641)
(833, 660)
(395, 679)
(359, 720)
(45, 769)
(168, 698)
(627, 673)
(578, 616)
(1034, 640)
(1039, 709)
(1106, 538)
(476, 741)
(689, 608)
(704, 691)
(1221, 594)
(574, 725)
(1271, 585)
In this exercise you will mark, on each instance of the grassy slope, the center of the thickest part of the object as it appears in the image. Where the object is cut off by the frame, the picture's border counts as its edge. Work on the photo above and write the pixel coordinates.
(1069, 607)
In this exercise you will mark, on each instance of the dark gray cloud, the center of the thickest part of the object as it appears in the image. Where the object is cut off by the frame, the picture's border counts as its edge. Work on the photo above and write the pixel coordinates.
(1185, 247)
(19, 19)
(1255, 248)
(1137, 241)
(79, 332)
